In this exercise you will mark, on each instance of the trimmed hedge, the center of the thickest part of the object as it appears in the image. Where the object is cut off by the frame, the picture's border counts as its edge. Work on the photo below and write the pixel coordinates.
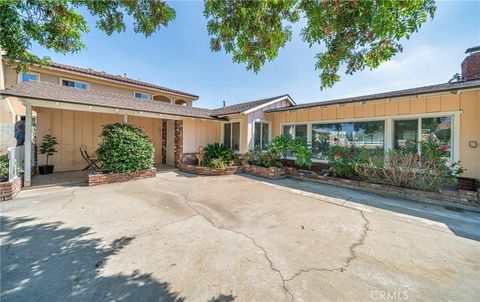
(125, 149)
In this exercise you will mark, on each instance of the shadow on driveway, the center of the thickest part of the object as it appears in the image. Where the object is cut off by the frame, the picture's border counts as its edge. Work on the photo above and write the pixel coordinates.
(49, 262)
(464, 223)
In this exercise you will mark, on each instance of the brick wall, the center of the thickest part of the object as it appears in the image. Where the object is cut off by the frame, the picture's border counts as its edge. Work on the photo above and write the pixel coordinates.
(10, 189)
(178, 151)
(200, 170)
(106, 178)
(164, 141)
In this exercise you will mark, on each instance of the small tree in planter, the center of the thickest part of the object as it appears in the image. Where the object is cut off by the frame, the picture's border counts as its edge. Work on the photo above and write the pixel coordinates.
(48, 149)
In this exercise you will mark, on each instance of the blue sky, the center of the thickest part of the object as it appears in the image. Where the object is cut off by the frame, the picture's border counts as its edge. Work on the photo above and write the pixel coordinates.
(179, 57)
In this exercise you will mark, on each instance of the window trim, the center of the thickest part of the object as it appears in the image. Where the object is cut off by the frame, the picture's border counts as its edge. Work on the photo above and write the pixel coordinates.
(149, 95)
(73, 80)
(389, 128)
(20, 74)
(252, 147)
(240, 140)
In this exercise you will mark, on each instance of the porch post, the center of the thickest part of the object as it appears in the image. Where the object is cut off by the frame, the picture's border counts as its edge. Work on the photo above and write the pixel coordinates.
(28, 145)
(125, 118)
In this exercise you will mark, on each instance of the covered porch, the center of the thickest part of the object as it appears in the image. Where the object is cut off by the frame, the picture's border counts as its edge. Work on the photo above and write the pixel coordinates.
(76, 118)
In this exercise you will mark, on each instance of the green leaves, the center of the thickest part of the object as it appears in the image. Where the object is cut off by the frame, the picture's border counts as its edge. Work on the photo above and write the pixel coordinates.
(48, 146)
(353, 34)
(125, 149)
(58, 25)
(253, 31)
(216, 153)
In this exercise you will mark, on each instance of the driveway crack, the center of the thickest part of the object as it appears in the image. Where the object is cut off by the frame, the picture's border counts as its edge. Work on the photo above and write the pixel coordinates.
(265, 254)
(353, 253)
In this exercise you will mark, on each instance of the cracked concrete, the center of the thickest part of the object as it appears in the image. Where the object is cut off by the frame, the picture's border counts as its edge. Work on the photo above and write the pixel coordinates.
(179, 237)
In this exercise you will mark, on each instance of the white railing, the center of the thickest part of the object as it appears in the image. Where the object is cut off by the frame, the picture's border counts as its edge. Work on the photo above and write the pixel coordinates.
(16, 161)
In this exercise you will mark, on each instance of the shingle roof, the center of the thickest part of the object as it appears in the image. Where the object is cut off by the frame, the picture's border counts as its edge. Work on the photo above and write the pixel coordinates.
(53, 92)
(119, 78)
(241, 107)
(392, 94)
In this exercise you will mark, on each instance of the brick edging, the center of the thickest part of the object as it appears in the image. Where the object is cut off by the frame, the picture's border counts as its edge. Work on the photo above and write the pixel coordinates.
(10, 189)
(206, 171)
(270, 172)
(96, 179)
(468, 200)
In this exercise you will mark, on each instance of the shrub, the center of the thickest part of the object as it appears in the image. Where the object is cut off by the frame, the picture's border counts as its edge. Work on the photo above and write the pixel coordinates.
(263, 159)
(303, 155)
(218, 163)
(280, 146)
(213, 153)
(48, 146)
(125, 149)
(353, 162)
(3, 167)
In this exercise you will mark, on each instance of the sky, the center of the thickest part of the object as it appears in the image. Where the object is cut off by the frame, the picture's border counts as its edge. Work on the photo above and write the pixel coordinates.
(179, 57)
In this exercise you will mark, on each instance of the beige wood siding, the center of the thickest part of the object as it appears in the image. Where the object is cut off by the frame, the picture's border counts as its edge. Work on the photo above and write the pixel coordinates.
(197, 132)
(75, 129)
(468, 102)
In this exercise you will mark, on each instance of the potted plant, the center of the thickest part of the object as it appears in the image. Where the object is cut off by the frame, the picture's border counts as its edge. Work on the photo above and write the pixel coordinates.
(47, 148)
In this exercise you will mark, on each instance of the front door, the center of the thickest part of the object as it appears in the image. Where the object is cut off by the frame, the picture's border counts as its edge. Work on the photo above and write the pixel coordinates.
(170, 154)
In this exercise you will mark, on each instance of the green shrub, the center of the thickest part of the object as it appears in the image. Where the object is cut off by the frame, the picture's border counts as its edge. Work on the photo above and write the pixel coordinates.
(263, 159)
(3, 167)
(125, 149)
(213, 153)
(280, 146)
(303, 154)
(346, 161)
(218, 163)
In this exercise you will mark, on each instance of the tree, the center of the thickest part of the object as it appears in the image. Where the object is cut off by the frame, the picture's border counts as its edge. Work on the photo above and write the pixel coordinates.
(58, 25)
(353, 34)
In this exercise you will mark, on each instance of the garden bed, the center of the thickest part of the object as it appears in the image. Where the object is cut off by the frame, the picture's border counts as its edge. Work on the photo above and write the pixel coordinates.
(97, 178)
(10, 189)
(469, 200)
(270, 172)
(201, 170)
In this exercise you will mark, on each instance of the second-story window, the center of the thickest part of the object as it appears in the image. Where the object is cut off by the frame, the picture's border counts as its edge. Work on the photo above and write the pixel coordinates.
(29, 76)
(141, 95)
(76, 84)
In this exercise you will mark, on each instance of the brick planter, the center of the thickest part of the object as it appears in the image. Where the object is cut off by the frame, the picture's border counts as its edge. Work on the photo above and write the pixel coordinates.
(469, 200)
(200, 170)
(10, 189)
(270, 172)
(96, 179)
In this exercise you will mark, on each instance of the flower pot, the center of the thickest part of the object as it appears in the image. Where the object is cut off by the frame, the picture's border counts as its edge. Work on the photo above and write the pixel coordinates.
(45, 169)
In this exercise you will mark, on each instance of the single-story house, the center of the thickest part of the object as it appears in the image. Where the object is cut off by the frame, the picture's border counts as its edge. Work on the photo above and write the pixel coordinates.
(73, 103)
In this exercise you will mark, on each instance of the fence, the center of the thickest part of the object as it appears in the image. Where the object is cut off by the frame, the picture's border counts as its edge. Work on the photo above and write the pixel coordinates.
(16, 161)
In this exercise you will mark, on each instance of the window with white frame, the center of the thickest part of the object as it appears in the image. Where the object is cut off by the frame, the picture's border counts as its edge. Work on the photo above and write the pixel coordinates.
(409, 133)
(141, 95)
(368, 134)
(231, 135)
(261, 135)
(29, 76)
(295, 131)
(75, 84)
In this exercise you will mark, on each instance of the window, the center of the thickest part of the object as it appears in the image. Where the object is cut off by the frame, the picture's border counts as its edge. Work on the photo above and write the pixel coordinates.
(407, 134)
(438, 129)
(295, 131)
(141, 95)
(76, 84)
(231, 135)
(29, 76)
(369, 135)
(261, 135)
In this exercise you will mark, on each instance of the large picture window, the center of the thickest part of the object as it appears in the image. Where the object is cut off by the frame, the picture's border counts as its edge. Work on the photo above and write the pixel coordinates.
(368, 134)
(231, 135)
(261, 135)
(295, 131)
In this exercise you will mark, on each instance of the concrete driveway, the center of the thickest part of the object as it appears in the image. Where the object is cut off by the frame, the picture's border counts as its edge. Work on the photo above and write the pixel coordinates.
(235, 238)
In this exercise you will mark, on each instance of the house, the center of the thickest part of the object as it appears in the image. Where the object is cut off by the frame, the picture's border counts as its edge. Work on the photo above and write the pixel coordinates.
(73, 103)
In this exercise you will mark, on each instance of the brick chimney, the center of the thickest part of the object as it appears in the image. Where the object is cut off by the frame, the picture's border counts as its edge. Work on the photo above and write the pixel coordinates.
(471, 64)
